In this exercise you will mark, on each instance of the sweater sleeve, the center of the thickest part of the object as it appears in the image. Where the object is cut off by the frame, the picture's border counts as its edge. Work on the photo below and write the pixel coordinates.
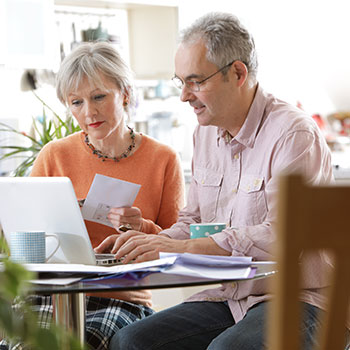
(173, 193)
(172, 199)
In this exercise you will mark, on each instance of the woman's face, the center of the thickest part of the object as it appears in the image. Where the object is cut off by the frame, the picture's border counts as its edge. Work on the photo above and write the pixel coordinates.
(98, 111)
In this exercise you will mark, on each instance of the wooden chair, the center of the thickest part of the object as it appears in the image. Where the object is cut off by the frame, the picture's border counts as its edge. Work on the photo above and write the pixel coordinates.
(310, 218)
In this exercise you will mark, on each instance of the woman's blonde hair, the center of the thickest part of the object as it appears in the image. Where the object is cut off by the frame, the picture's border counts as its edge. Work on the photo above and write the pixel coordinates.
(92, 60)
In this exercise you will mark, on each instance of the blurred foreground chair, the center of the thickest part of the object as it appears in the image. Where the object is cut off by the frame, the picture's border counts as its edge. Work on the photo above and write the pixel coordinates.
(310, 217)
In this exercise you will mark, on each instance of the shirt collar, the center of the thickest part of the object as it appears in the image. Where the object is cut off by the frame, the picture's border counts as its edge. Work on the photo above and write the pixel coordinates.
(249, 130)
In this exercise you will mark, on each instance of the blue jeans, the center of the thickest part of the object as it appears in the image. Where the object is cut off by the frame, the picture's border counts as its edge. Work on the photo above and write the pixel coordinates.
(205, 325)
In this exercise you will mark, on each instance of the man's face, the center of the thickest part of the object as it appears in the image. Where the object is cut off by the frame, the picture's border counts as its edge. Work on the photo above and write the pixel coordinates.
(217, 97)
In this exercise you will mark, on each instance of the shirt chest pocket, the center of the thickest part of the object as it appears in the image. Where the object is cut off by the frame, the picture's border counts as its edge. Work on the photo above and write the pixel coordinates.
(251, 207)
(209, 186)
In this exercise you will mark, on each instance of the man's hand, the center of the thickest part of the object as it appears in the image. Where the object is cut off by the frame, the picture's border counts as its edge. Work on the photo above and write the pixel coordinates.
(138, 246)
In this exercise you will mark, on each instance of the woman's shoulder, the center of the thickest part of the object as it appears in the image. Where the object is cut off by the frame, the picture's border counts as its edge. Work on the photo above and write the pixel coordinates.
(152, 145)
(67, 141)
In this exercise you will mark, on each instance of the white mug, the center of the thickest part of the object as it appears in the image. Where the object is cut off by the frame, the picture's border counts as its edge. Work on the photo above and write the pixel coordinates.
(29, 247)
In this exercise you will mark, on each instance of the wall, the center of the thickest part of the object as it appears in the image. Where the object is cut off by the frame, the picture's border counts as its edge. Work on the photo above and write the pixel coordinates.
(303, 46)
(147, 26)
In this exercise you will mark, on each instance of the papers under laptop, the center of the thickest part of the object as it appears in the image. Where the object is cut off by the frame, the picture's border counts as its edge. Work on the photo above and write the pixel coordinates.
(48, 204)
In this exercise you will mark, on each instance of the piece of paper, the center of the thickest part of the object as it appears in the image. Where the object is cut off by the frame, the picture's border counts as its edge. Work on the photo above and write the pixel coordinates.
(223, 273)
(210, 266)
(57, 281)
(100, 270)
(106, 193)
(209, 260)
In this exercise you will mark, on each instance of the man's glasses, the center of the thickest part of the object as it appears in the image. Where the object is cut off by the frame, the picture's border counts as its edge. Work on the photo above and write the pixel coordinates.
(195, 86)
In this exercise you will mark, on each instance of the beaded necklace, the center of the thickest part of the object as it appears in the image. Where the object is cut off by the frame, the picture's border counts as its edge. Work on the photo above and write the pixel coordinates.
(104, 157)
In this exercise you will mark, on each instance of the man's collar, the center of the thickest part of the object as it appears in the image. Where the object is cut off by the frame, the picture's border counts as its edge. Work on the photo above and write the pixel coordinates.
(249, 129)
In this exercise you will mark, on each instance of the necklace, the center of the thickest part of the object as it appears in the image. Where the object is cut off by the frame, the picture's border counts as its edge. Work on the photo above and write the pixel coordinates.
(104, 157)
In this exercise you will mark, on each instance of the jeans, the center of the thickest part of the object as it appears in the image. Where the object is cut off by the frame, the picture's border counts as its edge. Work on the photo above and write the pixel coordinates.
(206, 325)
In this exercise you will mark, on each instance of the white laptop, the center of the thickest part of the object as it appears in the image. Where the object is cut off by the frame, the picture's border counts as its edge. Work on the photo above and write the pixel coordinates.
(48, 204)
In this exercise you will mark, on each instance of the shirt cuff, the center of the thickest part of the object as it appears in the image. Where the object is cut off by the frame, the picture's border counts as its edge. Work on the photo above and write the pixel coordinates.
(233, 241)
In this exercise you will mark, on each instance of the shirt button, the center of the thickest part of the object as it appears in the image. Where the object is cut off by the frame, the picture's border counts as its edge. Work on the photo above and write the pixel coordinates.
(236, 156)
(202, 182)
(234, 190)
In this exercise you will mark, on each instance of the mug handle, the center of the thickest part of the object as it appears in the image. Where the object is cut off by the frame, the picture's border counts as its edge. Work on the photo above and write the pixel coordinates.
(58, 245)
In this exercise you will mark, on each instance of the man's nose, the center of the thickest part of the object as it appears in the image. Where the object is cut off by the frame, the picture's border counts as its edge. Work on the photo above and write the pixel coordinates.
(186, 94)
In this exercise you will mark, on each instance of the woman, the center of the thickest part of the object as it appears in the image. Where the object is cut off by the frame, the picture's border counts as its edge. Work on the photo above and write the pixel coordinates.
(95, 84)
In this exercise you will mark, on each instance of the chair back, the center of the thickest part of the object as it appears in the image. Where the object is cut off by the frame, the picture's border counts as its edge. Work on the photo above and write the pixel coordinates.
(310, 218)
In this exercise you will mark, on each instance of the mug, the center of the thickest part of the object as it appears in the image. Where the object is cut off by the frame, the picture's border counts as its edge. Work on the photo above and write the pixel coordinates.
(206, 229)
(29, 247)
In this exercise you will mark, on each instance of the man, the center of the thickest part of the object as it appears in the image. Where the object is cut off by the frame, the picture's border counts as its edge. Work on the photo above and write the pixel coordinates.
(245, 138)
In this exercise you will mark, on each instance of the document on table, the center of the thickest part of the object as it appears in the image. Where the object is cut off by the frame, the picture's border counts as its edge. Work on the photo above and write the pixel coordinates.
(196, 265)
(106, 193)
(99, 270)
(57, 281)
(64, 274)
(210, 266)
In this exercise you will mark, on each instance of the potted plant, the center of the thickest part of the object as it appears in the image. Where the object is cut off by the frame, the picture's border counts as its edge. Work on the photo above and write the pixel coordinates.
(44, 129)
(17, 321)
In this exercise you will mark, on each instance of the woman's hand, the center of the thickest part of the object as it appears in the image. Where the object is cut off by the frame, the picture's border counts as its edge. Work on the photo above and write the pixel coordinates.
(129, 217)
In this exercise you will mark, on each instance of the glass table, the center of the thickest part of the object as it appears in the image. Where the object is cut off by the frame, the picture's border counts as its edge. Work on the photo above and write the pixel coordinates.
(69, 300)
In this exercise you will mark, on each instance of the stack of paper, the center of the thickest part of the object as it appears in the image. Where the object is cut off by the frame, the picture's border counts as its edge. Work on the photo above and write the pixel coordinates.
(197, 265)
(210, 266)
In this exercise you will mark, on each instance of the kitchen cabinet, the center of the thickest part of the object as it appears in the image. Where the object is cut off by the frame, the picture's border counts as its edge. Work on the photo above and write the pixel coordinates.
(29, 35)
(151, 32)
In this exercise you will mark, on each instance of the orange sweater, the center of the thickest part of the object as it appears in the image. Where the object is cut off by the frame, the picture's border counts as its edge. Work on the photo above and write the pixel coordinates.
(156, 167)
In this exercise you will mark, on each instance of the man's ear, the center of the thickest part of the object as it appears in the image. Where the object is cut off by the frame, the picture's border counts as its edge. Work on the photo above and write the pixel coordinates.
(240, 72)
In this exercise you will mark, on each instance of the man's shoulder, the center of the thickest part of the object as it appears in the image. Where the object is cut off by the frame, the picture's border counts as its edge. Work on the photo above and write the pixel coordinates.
(285, 116)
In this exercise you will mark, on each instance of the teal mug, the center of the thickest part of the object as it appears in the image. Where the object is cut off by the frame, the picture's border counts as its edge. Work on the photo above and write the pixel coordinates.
(206, 229)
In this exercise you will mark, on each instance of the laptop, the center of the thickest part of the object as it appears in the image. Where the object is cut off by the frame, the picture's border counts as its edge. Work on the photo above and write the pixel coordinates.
(49, 204)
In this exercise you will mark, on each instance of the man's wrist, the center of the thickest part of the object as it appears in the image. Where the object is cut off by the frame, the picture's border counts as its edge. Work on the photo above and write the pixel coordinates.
(203, 246)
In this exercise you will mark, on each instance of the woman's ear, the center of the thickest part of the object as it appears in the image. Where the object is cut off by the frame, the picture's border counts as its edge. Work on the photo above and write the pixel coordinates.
(241, 72)
(126, 99)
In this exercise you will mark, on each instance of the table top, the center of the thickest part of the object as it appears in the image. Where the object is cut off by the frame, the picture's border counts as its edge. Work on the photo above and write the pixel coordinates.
(157, 280)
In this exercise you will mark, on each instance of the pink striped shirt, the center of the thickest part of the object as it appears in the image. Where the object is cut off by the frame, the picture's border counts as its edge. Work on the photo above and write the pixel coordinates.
(235, 181)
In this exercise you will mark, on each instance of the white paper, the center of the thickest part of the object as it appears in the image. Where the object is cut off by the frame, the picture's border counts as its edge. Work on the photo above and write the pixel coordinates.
(57, 281)
(92, 269)
(209, 260)
(209, 266)
(106, 193)
(209, 272)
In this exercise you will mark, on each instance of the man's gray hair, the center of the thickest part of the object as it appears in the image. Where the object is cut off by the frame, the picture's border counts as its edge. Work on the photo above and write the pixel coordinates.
(225, 38)
(93, 60)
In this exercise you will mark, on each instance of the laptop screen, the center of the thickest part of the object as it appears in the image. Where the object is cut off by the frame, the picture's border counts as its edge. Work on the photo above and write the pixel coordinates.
(46, 204)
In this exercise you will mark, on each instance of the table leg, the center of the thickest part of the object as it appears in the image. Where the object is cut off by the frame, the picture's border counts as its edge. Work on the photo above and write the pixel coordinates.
(69, 313)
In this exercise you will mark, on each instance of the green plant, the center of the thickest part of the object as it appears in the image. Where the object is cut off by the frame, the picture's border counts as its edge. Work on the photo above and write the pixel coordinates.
(17, 320)
(45, 130)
